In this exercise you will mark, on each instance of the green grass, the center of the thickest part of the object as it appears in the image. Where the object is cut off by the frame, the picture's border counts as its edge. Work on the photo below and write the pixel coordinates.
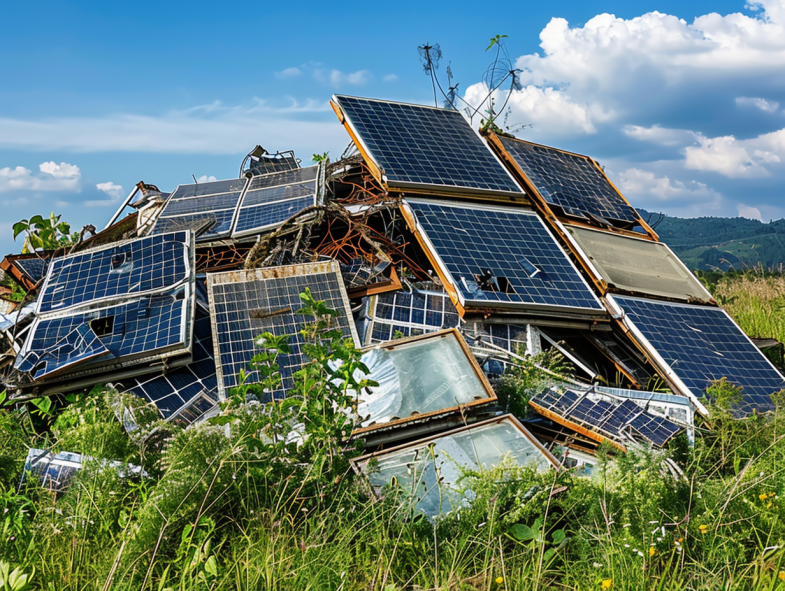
(248, 512)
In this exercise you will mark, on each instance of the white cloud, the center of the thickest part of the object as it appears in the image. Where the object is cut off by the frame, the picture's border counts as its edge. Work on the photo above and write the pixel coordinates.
(216, 128)
(758, 103)
(661, 136)
(734, 158)
(390, 77)
(206, 179)
(288, 73)
(752, 213)
(114, 191)
(52, 177)
(635, 182)
(337, 78)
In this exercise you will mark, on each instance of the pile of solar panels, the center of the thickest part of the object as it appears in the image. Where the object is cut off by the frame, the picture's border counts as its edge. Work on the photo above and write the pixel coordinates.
(522, 247)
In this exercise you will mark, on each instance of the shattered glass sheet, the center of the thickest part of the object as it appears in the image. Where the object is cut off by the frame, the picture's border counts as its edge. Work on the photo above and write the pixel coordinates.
(600, 417)
(502, 257)
(429, 470)
(54, 472)
(572, 182)
(417, 147)
(244, 304)
(273, 198)
(184, 393)
(637, 265)
(215, 202)
(424, 376)
(695, 345)
(425, 309)
(131, 268)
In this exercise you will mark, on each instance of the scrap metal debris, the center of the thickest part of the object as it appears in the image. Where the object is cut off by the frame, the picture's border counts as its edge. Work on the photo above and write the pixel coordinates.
(451, 255)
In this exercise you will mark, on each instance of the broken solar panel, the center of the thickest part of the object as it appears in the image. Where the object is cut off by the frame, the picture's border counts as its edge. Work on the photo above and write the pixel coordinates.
(501, 257)
(418, 378)
(184, 393)
(429, 471)
(245, 304)
(602, 417)
(571, 182)
(134, 267)
(214, 203)
(143, 329)
(55, 471)
(418, 147)
(409, 313)
(273, 198)
(696, 345)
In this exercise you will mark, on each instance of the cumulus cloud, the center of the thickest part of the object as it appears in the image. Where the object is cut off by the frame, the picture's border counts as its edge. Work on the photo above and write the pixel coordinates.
(390, 77)
(735, 158)
(114, 191)
(52, 177)
(643, 183)
(752, 213)
(206, 179)
(661, 136)
(758, 103)
(288, 73)
(215, 128)
(337, 78)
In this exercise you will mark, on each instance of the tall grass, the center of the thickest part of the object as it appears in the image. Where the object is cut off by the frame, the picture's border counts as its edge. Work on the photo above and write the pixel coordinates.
(756, 301)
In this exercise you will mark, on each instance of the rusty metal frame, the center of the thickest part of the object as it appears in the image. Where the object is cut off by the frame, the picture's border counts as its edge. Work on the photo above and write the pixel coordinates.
(400, 423)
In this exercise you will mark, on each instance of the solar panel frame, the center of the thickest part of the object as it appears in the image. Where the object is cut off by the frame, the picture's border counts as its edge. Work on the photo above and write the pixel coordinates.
(678, 378)
(622, 212)
(233, 332)
(87, 277)
(547, 250)
(421, 311)
(482, 162)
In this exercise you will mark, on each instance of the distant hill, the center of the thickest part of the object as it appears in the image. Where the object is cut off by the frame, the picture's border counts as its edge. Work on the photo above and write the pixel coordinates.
(724, 243)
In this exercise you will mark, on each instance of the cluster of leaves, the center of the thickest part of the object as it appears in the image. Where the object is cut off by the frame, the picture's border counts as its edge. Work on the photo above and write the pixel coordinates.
(45, 233)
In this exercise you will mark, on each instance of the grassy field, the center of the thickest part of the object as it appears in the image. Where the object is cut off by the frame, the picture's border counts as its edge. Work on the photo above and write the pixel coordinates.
(258, 511)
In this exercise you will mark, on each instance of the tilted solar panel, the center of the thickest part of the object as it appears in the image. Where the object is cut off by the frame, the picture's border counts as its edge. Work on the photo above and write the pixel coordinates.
(570, 181)
(424, 147)
(502, 257)
(34, 268)
(410, 313)
(193, 386)
(216, 200)
(244, 304)
(125, 269)
(700, 344)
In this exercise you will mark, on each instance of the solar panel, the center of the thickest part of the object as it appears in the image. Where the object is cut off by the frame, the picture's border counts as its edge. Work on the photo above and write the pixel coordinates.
(424, 147)
(700, 344)
(34, 267)
(420, 311)
(134, 267)
(184, 393)
(502, 257)
(602, 417)
(571, 182)
(79, 345)
(244, 304)
(429, 471)
(188, 204)
(132, 332)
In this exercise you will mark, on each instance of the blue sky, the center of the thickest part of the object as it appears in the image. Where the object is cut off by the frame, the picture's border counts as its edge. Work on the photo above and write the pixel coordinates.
(682, 102)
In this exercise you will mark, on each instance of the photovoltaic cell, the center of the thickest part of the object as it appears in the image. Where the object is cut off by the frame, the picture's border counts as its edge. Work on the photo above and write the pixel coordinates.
(79, 345)
(187, 204)
(503, 257)
(245, 304)
(607, 418)
(701, 344)
(135, 267)
(274, 198)
(417, 146)
(34, 268)
(570, 181)
(185, 392)
(410, 313)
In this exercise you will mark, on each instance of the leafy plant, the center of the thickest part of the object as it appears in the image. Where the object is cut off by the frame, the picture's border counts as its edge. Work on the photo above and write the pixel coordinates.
(44, 233)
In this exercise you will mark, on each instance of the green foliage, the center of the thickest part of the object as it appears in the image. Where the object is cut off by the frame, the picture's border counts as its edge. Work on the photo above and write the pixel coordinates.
(525, 377)
(13, 580)
(320, 157)
(44, 233)
(495, 41)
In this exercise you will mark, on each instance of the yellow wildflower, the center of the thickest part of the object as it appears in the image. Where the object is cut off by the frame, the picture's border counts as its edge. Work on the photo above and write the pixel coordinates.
(781, 576)
(607, 583)
(703, 528)
(499, 580)
(763, 496)
(768, 505)
(680, 540)
(652, 551)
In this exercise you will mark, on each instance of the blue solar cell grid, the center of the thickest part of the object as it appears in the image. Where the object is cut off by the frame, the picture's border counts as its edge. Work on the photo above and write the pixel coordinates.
(245, 306)
(190, 203)
(702, 344)
(135, 267)
(174, 390)
(79, 345)
(570, 181)
(425, 146)
(471, 240)
(145, 326)
(34, 267)
(274, 198)
(411, 313)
